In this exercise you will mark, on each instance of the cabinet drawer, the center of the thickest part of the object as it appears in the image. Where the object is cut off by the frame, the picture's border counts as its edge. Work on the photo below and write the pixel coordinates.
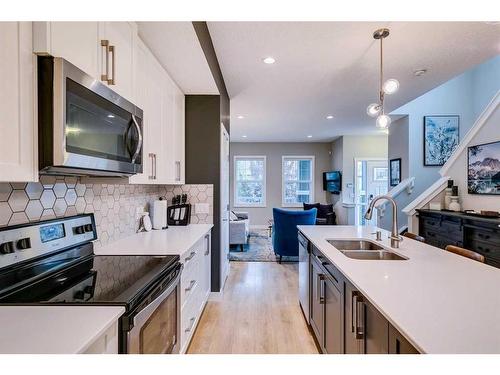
(439, 239)
(487, 249)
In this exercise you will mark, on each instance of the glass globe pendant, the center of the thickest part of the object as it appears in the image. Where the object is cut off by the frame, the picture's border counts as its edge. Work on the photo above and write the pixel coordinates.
(373, 109)
(390, 86)
(383, 121)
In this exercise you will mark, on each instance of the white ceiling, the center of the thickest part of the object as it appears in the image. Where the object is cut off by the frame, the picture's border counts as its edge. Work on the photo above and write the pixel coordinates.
(332, 68)
(176, 46)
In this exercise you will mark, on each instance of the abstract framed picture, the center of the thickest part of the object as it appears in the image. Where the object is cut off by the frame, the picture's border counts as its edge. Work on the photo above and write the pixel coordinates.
(483, 169)
(441, 137)
(394, 171)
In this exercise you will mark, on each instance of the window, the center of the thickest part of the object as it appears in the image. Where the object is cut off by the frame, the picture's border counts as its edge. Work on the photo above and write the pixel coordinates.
(249, 181)
(298, 180)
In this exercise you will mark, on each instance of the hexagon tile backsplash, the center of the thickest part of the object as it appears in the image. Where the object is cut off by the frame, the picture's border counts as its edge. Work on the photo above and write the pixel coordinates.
(113, 205)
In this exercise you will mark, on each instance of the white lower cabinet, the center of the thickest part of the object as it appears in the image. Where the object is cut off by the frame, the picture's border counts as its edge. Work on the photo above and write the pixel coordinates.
(18, 129)
(195, 287)
(107, 343)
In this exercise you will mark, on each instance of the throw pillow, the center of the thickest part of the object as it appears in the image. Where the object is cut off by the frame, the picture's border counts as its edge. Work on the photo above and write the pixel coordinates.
(324, 209)
(308, 206)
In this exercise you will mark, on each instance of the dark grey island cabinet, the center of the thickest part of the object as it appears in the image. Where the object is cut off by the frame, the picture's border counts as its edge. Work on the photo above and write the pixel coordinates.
(343, 320)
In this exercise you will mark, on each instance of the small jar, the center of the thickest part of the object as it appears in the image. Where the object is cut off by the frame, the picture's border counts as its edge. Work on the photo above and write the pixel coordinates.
(447, 198)
(454, 205)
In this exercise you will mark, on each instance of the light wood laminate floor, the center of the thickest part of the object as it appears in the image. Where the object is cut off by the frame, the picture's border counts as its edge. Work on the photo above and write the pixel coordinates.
(258, 312)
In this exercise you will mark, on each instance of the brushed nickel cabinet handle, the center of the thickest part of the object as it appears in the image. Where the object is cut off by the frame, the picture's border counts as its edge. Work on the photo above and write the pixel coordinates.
(191, 256)
(192, 283)
(360, 318)
(192, 320)
(178, 170)
(111, 81)
(155, 166)
(321, 279)
(105, 44)
(207, 237)
(151, 176)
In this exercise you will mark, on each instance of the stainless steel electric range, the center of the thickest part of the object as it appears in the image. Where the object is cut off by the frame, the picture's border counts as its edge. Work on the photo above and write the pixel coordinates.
(52, 262)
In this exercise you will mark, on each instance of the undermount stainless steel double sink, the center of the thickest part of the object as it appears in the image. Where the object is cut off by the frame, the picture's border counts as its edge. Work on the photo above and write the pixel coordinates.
(364, 250)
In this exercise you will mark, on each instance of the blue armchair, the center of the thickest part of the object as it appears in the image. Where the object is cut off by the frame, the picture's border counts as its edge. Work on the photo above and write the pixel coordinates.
(285, 241)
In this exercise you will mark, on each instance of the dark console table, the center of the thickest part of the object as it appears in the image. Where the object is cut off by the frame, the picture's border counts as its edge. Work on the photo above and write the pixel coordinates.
(480, 234)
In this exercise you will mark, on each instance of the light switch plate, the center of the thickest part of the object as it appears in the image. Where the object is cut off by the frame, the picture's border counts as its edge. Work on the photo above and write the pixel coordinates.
(201, 208)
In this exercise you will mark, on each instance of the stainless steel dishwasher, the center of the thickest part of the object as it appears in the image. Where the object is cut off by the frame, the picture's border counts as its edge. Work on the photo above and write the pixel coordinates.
(304, 284)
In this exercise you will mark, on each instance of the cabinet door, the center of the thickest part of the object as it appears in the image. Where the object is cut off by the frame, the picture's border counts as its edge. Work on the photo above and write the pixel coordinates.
(333, 318)
(375, 329)
(352, 342)
(121, 59)
(206, 265)
(17, 122)
(77, 42)
(316, 314)
(167, 165)
(398, 344)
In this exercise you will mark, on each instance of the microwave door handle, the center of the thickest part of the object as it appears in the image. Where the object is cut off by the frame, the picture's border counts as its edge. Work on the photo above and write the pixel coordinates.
(139, 143)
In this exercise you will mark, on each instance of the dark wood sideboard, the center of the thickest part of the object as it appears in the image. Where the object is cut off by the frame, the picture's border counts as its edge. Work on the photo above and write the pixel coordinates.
(480, 234)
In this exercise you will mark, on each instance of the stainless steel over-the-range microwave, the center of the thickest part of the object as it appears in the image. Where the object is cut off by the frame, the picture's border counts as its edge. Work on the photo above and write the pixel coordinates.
(85, 128)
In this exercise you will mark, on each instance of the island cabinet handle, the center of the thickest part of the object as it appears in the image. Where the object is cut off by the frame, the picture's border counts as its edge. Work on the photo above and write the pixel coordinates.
(321, 279)
(360, 318)
(354, 298)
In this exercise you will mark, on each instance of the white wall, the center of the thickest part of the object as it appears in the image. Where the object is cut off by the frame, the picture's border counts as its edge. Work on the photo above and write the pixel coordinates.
(465, 95)
(398, 145)
(490, 132)
(274, 153)
(344, 150)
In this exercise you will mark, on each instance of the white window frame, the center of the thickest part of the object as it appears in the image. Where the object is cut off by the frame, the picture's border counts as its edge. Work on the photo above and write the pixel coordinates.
(296, 157)
(235, 181)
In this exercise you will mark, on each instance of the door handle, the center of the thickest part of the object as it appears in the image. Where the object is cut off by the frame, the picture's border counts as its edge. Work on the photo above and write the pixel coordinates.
(111, 81)
(105, 44)
(360, 318)
(139, 142)
(191, 256)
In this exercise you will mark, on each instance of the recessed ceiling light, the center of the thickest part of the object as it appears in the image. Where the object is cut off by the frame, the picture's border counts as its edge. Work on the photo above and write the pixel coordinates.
(111, 116)
(419, 72)
(244, 136)
(241, 117)
(309, 136)
(329, 117)
(269, 60)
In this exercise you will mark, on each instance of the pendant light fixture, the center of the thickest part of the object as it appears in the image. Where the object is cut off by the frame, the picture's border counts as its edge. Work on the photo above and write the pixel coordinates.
(385, 88)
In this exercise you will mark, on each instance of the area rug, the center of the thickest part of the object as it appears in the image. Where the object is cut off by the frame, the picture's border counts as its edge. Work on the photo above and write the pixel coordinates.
(258, 249)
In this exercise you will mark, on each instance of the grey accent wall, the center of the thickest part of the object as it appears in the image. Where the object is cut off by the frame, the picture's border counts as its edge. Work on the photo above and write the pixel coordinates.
(204, 114)
(398, 145)
(274, 153)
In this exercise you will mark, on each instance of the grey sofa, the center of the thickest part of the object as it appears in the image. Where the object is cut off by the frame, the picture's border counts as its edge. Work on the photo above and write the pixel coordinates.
(239, 229)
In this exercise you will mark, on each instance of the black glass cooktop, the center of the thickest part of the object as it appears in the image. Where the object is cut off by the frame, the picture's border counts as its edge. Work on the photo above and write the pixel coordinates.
(94, 279)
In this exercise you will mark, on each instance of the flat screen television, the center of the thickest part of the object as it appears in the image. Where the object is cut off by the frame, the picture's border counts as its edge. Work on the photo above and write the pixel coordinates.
(332, 182)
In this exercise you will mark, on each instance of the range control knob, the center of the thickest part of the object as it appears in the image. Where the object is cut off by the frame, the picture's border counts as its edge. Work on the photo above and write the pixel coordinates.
(24, 243)
(88, 227)
(7, 247)
(79, 230)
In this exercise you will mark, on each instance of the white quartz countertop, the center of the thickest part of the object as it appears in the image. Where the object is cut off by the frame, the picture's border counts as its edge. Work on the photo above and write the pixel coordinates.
(53, 329)
(441, 302)
(174, 240)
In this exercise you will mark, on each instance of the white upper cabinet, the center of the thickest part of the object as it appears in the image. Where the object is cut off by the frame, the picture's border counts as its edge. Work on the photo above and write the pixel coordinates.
(18, 159)
(179, 136)
(117, 56)
(104, 50)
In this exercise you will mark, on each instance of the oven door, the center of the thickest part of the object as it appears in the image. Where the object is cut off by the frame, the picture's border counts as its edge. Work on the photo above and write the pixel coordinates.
(98, 129)
(156, 328)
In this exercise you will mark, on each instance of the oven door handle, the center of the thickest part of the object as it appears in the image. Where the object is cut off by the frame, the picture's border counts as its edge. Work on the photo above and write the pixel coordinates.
(143, 315)
(139, 142)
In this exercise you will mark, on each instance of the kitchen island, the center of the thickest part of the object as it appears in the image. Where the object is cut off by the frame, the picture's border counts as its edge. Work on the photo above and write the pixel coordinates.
(440, 302)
